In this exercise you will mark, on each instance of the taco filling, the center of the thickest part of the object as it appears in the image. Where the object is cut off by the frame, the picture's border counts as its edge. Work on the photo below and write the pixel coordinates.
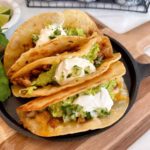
(94, 102)
(96, 107)
(65, 71)
(54, 30)
(70, 68)
(41, 30)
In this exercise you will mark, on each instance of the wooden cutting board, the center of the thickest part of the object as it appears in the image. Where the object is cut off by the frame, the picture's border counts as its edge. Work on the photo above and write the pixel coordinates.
(120, 136)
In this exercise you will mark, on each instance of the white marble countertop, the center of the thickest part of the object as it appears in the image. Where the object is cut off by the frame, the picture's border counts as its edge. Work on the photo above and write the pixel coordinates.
(116, 20)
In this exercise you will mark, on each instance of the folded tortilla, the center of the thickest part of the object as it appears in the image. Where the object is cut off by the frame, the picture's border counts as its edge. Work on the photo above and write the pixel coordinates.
(21, 41)
(23, 76)
(35, 117)
(58, 45)
(19, 91)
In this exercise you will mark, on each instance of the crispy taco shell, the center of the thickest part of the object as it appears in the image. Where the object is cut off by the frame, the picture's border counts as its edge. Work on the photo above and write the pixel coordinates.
(40, 123)
(58, 45)
(21, 41)
(18, 91)
(82, 49)
(80, 45)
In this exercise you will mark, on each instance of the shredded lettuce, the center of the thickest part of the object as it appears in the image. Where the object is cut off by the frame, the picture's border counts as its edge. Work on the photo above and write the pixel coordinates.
(92, 54)
(75, 32)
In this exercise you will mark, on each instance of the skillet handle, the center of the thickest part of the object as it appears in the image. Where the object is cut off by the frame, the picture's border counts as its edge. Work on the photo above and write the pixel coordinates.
(144, 70)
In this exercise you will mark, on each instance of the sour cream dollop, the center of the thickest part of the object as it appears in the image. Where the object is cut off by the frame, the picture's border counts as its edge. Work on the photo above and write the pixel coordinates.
(91, 102)
(49, 31)
(73, 68)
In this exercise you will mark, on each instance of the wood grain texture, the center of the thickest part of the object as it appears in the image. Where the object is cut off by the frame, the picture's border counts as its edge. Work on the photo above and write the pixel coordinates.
(120, 136)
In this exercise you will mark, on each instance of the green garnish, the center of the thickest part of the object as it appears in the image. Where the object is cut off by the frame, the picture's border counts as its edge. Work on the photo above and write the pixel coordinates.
(87, 70)
(3, 40)
(102, 112)
(88, 116)
(75, 32)
(69, 75)
(98, 61)
(52, 37)
(57, 32)
(35, 38)
(92, 55)
(4, 85)
(56, 110)
(4, 82)
(76, 70)
(62, 77)
(69, 111)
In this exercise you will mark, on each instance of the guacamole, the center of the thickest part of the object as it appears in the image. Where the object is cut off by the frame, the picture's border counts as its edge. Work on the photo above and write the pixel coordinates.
(45, 77)
(75, 32)
(69, 111)
(93, 53)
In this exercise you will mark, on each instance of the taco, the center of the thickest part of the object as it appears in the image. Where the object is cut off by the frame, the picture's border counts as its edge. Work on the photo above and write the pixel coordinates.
(56, 46)
(91, 105)
(52, 74)
(40, 30)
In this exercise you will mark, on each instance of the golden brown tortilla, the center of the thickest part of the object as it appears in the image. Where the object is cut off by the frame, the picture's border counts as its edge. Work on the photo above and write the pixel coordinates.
(21, 41)
(39, 124)
(58, 45)
(76, 18)
(80, 45)
(18, 91)
(19, 69)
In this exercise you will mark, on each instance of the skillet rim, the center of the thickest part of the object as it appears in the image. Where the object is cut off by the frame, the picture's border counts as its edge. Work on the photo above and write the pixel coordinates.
(19, 128)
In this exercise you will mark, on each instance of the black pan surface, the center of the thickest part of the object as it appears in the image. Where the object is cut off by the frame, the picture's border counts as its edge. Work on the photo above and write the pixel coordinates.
(135, 73)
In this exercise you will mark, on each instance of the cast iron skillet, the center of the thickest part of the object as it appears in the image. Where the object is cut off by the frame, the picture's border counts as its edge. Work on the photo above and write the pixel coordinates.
(135, 73)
